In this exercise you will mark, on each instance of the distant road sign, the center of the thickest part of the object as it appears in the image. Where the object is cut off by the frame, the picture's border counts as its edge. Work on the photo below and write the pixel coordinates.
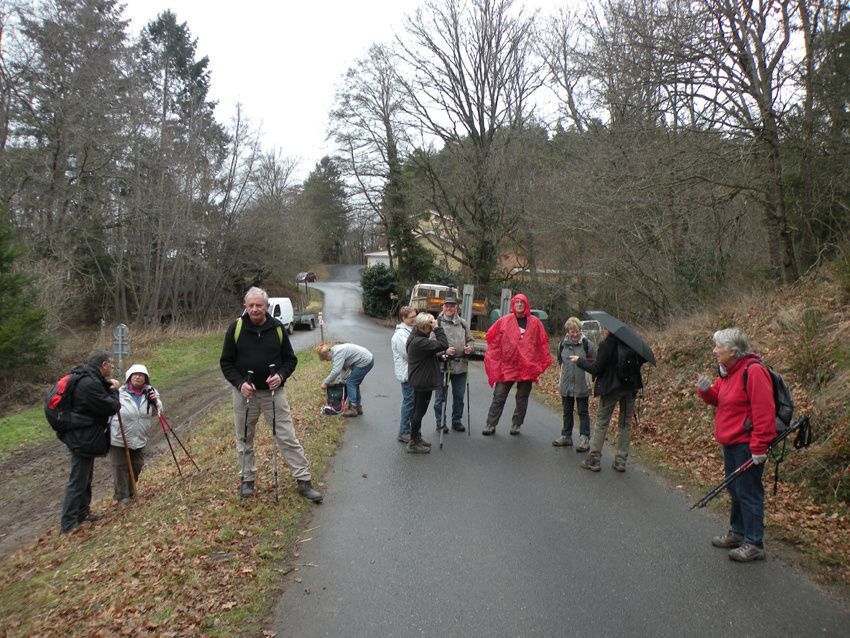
(120, 331)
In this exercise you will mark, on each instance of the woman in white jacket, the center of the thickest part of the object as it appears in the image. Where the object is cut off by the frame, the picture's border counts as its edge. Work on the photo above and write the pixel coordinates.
(406, 315)
(140, 405)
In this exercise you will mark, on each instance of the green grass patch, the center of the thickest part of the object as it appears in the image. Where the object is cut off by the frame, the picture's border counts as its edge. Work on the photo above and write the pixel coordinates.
(170, 362)
(190, 558)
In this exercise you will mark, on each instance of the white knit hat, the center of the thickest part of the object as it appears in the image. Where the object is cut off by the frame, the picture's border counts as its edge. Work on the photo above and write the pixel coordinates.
(133, 369)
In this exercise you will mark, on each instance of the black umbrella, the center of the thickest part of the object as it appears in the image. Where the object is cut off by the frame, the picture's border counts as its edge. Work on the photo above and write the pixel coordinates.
(624, 333)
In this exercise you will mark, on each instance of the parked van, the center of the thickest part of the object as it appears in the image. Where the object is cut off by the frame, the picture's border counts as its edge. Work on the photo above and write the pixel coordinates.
(281, 309)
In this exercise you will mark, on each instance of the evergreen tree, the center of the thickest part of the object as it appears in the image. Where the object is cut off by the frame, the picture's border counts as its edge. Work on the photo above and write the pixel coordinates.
(324, 201)
(24, 345)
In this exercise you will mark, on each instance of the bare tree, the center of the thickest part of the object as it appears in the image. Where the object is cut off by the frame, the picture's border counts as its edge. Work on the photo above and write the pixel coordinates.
(469, 76)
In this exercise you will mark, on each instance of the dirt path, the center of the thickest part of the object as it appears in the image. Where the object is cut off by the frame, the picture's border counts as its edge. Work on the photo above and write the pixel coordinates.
(33, 484)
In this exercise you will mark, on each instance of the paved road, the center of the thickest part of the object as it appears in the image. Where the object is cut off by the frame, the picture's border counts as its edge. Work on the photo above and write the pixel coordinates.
(507, 536)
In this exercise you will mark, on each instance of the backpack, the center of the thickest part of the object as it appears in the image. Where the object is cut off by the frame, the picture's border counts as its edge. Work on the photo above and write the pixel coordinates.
(58, 404)
(239, 330)
(781, 397)
(336, 400)
(628, 364)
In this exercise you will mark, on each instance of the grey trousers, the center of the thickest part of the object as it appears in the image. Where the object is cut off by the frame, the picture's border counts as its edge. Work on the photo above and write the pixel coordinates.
(120, 473)
(626, 400)
(285, 437)
(500, 396)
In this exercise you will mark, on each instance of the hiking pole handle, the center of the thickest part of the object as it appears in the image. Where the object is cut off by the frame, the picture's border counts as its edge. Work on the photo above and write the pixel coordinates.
(709, 496)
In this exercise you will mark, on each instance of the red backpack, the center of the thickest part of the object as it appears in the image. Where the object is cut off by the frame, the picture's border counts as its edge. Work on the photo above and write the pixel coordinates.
(58, 404)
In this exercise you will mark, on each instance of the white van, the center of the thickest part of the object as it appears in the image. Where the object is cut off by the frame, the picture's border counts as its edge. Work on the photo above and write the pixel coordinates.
(281, 309)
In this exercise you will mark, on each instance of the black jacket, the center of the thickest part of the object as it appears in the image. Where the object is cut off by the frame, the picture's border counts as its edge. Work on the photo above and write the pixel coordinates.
(257, 348)
(94, 401)
(423, 366)
(604, 368)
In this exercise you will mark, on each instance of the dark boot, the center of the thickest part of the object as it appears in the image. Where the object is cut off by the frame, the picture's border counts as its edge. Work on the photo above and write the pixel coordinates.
(305, 489)
(246, 490)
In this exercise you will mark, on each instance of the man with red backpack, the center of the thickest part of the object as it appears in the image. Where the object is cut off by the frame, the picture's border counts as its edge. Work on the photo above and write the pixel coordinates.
(94, 400)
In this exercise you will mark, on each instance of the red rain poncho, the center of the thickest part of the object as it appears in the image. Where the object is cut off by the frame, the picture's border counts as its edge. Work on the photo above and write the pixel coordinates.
(515, 356)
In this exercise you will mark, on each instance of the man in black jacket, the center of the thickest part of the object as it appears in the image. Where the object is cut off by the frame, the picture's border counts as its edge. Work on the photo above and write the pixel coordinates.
(95, 399)
(253, 343)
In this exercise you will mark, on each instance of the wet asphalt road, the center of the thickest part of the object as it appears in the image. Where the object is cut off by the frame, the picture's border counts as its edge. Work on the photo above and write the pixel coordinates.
(508, 536)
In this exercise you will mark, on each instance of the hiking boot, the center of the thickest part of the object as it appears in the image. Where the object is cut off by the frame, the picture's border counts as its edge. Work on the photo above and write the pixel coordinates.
(359, 409)
(583, 444)
(488, 430)
(70, 530)
(444, 428)
(619, 464)
(305, 489)
(563, 441)
(747, 553)
(126, 501)
(403, 438)
(514, 429)
(458, 427)
(349, 411)
(728, 541)
(416, 446)
(591, 462)
(90, 518)
(246, 490)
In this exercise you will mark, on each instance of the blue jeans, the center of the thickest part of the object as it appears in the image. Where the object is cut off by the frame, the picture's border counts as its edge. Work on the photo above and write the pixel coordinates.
(747, 492)
(568, 404)
(458, 382)
(352, 386)
(407, 395)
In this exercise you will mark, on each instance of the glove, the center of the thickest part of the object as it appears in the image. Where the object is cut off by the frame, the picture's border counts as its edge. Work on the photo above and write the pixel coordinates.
(758, 459)
(704, 383)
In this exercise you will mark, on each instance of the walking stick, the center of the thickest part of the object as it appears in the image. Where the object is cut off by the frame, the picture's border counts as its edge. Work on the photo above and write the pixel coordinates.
(248, 379)
(164, 421)
(446, 377)
(130, 470)
(803, 439)
(468, 426)
(274, 437)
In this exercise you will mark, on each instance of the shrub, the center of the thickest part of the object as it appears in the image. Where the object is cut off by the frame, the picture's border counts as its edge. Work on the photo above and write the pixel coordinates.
(379, 288)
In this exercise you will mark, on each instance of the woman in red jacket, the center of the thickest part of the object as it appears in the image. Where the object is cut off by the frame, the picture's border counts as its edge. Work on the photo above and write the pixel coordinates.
(744, 424)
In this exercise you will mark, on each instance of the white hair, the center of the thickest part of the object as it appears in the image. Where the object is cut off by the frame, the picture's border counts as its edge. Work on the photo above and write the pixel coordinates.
(732, 339)
(253, 291)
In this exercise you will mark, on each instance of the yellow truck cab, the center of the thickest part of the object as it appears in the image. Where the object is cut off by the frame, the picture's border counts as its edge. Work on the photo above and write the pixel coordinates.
(425, 297)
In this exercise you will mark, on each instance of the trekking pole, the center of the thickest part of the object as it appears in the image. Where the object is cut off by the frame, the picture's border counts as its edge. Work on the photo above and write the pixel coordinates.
(274, 436)
(177, 438)
(130, 470)
(249, 380)
(803, 439)
(446, 378)
(152, 404)
(468, 426)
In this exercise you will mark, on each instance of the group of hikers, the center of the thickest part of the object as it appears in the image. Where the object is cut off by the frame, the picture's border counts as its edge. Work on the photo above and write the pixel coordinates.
(430, 354)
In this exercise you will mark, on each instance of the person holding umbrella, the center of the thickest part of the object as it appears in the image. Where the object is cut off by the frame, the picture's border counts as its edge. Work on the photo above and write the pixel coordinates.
(618, 378)
(140, 404)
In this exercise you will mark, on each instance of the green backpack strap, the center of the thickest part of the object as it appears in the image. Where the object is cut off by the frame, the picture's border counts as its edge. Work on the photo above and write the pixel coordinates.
(239, 329)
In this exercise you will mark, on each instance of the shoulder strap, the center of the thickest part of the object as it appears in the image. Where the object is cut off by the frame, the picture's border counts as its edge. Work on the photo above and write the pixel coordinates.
(586, 345)
(744, 376)
(239, 330)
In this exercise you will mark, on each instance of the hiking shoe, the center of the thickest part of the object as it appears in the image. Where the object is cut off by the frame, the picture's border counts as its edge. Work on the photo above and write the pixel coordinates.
(90, 518)
(444, 428)
(591, 462)
(403, 438)
(458, 427)
(350, 411)
(70, 530)
(416, 447)
(563, 441)
(424, 442)
(126, 501)
(728, 541)
(747, 553)
(619, 464)
(246, 490)
(305, 489)
(488, 430)
(583, 444)
(514, 430)
(359, 409)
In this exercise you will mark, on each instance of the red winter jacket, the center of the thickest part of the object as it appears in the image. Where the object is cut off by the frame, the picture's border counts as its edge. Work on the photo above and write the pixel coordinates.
(737, 408)
(515, 356)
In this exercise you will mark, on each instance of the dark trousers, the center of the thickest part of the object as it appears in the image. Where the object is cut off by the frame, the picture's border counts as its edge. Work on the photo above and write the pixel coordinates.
(747, 492)
(75, 507)
(420, 407)
(500, 396)
(569, 404)
(121, 474)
